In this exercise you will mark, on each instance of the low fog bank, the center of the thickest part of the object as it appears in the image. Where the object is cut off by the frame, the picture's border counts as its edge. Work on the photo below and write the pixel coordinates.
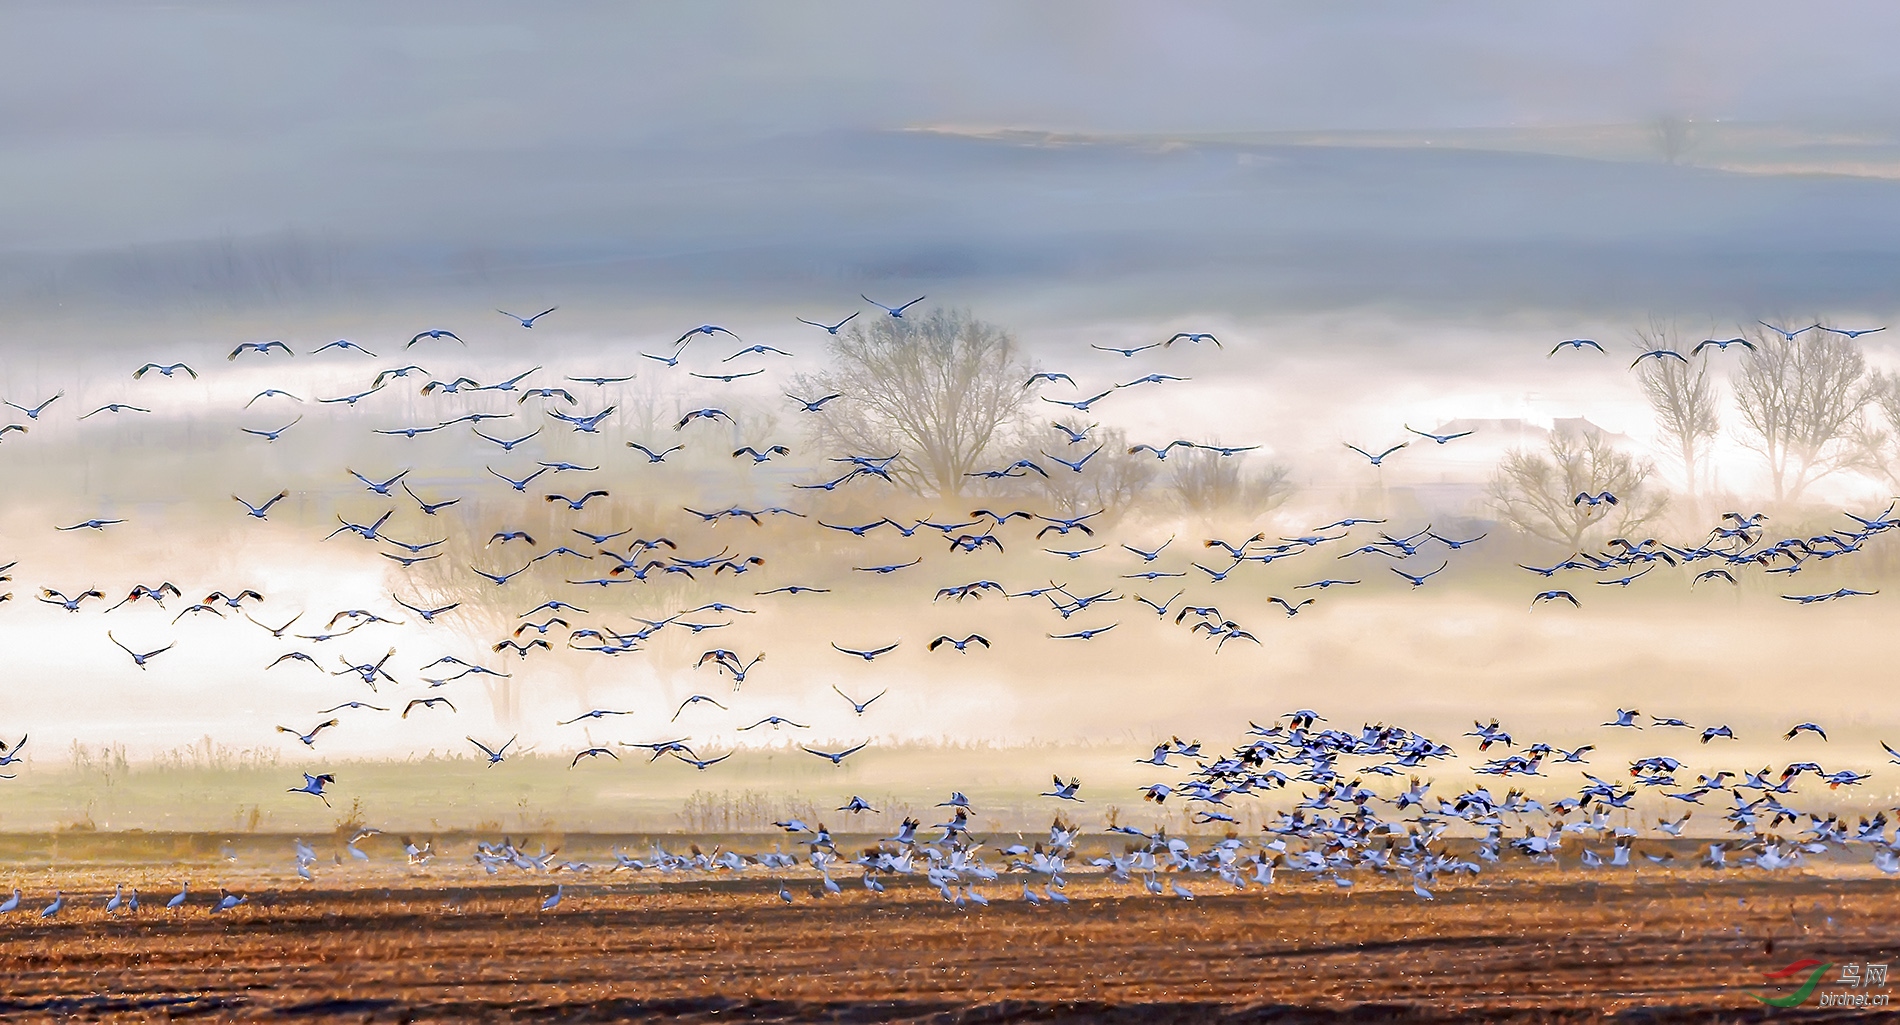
(1037, 228)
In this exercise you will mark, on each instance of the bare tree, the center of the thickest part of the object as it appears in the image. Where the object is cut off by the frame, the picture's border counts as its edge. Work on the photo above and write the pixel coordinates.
(1877, 449)
(1205, 482)
(1536, 492)
(1112, 479)
(1683, 398)
(1800, 400)
(938, 388)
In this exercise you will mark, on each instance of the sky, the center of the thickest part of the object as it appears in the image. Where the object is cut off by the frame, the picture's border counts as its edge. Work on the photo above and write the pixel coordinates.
(365, 153)
(1388, 212)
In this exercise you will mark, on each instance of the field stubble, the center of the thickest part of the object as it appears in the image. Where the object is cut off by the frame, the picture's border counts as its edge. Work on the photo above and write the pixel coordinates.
(454, 945)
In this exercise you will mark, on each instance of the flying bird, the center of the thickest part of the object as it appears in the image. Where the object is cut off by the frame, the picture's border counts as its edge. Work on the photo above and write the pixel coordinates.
(1197, 337)
(434, 333)
(1162, 452)
(867, 655)
(576, 503)
(652, 456)
(526, 321)
(311, 785)
(261, 511)
(960, 645)
(1786, 334)
(1082, 405)
(1574, 343)
(829, 328)
(495, 755)
(1130, 353)
(415, 703)
(753, 350)
(1380, 458)
(345, 344)
(702, 414)
(1440, 438)
(165, 371)
(91, 525)
(836, 757)
(272, 393)
(601, 381)
(1083, 635)
(261, 348)
(760, 457)
(381, 488)
(856, 705)
(1659, 355)
(1722, 344)
(273, 435)
(1419, 580)
(116, 407)
(694, 700)
(137, 658)
(1152, 379)
(309, 739)
(895, 311)
(33, 413)
(1064, 791)
(815, 405)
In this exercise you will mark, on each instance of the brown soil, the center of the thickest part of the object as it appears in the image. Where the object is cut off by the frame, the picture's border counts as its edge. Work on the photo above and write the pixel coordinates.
(1552, 949)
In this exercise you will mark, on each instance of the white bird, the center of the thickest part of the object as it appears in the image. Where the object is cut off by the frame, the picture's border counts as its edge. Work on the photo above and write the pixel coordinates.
(553, 901)
(12, 903)
(180, 897)
(59, 901)
(1064, 791)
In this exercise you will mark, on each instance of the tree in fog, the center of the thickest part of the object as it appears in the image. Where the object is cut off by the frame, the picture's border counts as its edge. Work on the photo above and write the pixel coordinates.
(1206, 482)
(1683, 399)
(939, 388)
(1877, 448)
(1535, 492)
(1799, 403)
(1674, 138)
(1112, 480)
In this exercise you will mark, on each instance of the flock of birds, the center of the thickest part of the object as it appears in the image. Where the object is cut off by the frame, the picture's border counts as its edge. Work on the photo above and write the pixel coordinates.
(1339, 831)
(1331, 833)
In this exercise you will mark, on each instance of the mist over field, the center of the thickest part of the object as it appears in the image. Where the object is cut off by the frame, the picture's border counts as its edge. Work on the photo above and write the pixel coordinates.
(1387, 222)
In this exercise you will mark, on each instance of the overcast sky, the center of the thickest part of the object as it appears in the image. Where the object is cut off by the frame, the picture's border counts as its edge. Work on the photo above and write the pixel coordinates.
(562, 131)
